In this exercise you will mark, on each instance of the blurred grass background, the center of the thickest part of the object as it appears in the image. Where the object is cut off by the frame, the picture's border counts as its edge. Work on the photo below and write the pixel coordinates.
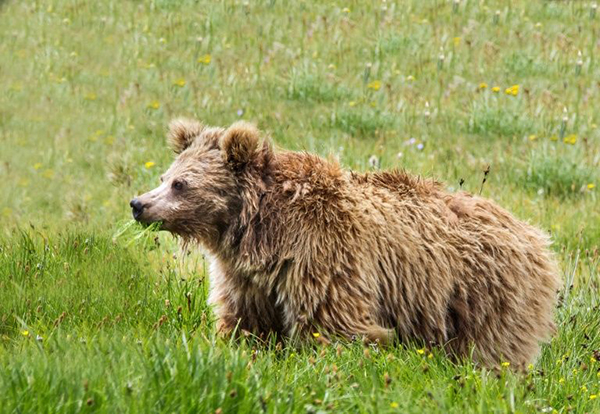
(441, 88)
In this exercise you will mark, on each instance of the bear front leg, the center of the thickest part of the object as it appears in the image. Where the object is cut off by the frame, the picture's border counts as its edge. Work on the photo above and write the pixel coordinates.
(227, 316)
(242, 307)
(226, 320)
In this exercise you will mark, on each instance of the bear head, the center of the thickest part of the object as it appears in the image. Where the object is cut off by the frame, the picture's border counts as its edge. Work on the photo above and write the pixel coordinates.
(200, 194)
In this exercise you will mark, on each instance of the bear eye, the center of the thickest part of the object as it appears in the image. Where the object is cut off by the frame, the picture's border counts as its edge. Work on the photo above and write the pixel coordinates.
(177, 185)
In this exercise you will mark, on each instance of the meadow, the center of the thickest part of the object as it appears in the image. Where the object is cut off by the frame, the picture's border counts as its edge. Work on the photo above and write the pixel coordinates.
(100, 316)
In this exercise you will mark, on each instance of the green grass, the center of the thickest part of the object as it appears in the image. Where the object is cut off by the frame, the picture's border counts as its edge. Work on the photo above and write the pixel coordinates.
(96, 316)
(92, 326)
(558, 175)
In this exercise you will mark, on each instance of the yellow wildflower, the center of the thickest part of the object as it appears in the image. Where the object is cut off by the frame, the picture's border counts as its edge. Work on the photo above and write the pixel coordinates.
(352, 103)
(513, 90)
(179, 82)
(593, 397)
(496, 89)
(532, 137)
(430, 356)
(149, 164)
(37, 165)
(505, 364)
(583, 388)
(345, 10)
(205, 59)
(456, 41)
(420, 351)
(375, 85)
(530, 367)
(591, 186)
(561, 381)
(316, 334)
(570, 139)
(25, 333)
(483, 85)
(394, 405)
(154, 105)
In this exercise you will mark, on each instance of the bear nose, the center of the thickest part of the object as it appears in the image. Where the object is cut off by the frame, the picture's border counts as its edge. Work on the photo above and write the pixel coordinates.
(137, 208)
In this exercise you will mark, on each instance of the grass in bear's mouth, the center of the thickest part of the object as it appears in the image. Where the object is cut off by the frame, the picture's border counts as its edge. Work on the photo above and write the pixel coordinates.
(134, 232)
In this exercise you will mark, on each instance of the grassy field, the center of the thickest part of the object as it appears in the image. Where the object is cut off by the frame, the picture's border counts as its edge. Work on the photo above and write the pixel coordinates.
(96, 321)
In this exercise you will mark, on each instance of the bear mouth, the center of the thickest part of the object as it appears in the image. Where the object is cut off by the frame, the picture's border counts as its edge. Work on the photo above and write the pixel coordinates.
(155, 225)
(147, 219)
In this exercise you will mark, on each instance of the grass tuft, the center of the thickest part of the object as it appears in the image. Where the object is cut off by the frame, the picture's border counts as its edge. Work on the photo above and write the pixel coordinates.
(554, 175)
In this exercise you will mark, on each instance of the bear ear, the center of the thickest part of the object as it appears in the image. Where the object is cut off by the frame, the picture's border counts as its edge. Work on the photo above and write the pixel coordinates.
(182, 132)
(239, 144)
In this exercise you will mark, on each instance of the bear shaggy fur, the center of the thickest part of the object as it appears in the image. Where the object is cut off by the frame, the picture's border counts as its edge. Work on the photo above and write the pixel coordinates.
(299, 245)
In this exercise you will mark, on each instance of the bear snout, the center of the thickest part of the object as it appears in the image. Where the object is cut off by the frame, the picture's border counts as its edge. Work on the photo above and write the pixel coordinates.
(137, 208)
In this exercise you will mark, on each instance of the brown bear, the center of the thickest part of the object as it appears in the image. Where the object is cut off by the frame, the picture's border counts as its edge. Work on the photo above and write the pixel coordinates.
(299, 245)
